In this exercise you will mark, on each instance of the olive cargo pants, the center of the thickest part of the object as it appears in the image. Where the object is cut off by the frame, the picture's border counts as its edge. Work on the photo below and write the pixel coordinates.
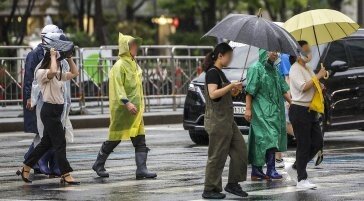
(222, 144)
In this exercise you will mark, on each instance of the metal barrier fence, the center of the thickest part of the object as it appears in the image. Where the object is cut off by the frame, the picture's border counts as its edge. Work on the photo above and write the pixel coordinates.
(167, 71)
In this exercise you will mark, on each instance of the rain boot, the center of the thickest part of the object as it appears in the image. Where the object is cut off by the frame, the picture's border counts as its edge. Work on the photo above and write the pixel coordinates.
(105, 150)
(258, 174)
(141, 162)
(271, 166)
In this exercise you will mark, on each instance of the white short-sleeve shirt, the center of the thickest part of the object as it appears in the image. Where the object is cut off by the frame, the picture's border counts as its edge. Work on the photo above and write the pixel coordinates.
(298, 76)
(52, 89)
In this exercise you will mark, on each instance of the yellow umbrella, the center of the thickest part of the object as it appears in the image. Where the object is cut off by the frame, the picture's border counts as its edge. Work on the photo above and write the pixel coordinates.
(320, 26)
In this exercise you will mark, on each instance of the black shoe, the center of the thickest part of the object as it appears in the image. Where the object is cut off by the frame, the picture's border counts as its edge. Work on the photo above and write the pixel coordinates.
(213, 195)
(235, 189)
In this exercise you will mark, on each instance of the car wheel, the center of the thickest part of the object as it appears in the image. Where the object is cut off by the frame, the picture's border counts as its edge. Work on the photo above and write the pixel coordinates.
(199, 137)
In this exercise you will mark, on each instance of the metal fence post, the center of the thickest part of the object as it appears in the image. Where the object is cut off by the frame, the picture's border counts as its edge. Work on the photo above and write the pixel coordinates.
(173, 80)
(82, 102)
(100, 74)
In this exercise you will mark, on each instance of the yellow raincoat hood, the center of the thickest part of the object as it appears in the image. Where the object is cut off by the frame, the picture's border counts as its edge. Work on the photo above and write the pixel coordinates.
(124, 41)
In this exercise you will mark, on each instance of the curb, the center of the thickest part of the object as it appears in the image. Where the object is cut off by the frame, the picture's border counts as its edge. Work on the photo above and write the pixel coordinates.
(90, 121)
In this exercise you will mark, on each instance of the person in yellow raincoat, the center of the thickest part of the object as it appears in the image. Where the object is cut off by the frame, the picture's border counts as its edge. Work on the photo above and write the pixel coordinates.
(126, 103)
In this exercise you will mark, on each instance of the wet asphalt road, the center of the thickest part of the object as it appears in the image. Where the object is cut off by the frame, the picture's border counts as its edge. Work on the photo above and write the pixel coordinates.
(180, 167)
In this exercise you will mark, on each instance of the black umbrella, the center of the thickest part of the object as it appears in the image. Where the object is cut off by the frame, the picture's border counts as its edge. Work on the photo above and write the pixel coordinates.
(256, 31)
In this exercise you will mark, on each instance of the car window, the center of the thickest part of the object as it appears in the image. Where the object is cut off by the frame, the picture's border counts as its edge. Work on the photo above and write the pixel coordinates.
(356, 49)
(240, 54)
(336, 52)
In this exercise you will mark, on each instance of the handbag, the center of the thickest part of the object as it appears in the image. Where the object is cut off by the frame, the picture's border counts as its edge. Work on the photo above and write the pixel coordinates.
(317, 103)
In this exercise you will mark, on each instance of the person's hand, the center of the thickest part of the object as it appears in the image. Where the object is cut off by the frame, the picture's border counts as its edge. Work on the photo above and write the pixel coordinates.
(53, 53)
(237, 85)
(288, 105)
(29, 104)
(321, 73)
(131, 108)
(248, 115)
(322, 86)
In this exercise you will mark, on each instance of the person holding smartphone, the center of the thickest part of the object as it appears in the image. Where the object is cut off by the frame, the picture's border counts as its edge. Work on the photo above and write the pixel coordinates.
(225, 139)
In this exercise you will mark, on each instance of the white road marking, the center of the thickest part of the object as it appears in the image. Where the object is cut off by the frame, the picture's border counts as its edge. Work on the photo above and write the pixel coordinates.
(351, 194)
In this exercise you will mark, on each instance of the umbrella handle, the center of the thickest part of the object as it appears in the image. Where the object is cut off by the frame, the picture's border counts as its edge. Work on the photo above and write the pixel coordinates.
(327, 72)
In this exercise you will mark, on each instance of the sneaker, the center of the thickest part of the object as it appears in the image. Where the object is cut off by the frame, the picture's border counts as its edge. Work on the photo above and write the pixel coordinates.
(305, 184)
(312, 185)
(279, 163)
(291, 172)
(213, 195)
(235, 188)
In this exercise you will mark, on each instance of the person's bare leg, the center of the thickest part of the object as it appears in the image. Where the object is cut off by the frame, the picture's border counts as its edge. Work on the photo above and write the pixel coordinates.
(289, 129)
(68, 177)
(26, 171)
(278, 155)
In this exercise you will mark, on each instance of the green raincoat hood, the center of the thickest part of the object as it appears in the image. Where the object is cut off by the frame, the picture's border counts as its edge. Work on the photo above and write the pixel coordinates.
(263, 56)
(124, 41)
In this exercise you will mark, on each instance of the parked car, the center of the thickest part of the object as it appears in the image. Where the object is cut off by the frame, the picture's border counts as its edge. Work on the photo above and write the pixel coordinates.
(344, 94)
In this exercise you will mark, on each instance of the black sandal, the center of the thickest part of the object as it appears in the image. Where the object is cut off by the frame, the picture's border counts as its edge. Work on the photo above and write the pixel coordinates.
(21, 173)
(320, 158)
(64, 181)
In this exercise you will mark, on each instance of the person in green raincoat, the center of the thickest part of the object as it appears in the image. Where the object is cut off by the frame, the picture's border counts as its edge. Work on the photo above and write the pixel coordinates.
(126, 103)
(266, 91)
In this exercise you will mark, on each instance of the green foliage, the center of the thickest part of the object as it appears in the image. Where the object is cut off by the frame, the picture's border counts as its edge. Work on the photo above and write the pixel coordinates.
(82, 39)
(191, 38)
(138, 29)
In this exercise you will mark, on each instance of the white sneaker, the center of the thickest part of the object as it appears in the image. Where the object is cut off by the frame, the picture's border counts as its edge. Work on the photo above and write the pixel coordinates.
(279, 163)
(312, 185)
(291, 172)
(305, 184)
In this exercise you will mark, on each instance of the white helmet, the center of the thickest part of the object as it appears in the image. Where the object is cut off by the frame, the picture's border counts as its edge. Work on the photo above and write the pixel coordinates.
(50, 28)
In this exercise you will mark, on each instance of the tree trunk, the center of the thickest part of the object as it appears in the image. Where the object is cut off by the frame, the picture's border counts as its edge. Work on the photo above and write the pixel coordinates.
(283, 10)
(129, 12)
(99, 24)
(251, 10)
(24, 21)
(270, 10)
(209, 15)
(88, 11)
(81, 13)
(6, 28)
(131, 9)
(335, 4)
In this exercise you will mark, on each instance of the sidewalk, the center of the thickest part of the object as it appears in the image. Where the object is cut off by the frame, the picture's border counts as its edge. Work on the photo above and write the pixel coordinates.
(99, 120)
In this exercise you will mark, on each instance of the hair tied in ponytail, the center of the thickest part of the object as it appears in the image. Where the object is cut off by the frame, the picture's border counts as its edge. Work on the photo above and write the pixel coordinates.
(213, 55)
